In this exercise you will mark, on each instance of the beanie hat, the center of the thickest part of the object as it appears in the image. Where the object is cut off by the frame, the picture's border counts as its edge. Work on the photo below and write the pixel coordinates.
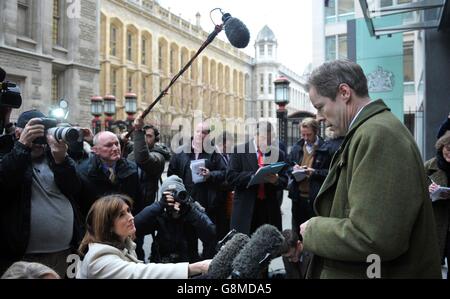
(25, 117)
(171, 183)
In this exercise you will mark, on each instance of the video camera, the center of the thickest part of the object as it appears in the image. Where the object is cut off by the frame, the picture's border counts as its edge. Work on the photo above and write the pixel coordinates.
(9, 93)
(66, 134)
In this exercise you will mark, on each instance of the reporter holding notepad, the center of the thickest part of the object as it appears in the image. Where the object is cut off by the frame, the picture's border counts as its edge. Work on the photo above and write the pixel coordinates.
(438, 171)
(255, 205)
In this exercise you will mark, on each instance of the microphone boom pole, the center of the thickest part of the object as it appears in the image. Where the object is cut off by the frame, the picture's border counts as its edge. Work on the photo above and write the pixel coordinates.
(211, 36)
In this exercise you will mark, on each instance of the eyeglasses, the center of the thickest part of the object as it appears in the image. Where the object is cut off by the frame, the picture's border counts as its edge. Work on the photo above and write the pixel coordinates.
(447, 147)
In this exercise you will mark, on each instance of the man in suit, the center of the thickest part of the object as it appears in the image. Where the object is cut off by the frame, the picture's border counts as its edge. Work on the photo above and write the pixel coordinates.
(374, 200)
(257, 204)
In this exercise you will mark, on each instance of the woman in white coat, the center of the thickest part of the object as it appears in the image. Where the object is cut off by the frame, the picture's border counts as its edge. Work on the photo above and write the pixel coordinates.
(109, 251)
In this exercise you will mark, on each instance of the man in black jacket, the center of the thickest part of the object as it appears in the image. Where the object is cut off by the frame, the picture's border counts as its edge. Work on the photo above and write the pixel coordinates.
(106, 172)
(256, 205)
(39, 221)
(201, 192)
(149, 156)
(166, 220)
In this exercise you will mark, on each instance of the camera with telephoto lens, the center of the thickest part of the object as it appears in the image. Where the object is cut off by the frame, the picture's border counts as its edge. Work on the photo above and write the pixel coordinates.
(64, 134)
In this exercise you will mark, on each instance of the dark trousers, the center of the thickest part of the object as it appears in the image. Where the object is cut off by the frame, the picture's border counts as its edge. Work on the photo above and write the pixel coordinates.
(260, 214)
(302, 211)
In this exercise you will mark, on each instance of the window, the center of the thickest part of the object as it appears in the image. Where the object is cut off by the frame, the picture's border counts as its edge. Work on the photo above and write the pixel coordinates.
(23, 18)
(261, 109)
(144, 88)
(336, 47)
(172, 61)
(55, 88)
(160, 57)
(342, 46)
(129, 46)
(261, 50)
(144, 51)
(330, 48)
(261, 83)
(113, 41)
(385, 3)
(339, 11)
(270, 50)
(408, 63)
(270, 83)
(113, 82)
(130, 82)
(56, 22)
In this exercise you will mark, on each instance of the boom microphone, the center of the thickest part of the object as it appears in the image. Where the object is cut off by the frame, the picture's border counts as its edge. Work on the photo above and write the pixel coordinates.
(220, 266)
(264, 245)
(2, 75)
(237, 33)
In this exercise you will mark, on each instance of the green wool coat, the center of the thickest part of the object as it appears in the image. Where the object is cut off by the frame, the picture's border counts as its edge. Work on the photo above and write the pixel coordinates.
(374, 201)
(441, 208)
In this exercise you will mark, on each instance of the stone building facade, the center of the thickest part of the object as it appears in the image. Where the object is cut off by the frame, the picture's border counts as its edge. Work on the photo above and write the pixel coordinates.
(50, 49)
(143, 45)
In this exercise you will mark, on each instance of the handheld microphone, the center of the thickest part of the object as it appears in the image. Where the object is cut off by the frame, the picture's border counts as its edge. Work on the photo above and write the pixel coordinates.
(264, 245)
(220, 266)
(236, 32)
(2, 75)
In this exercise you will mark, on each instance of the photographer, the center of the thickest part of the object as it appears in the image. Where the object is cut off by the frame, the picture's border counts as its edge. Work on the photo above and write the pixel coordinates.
(168, 217)
(38, 221)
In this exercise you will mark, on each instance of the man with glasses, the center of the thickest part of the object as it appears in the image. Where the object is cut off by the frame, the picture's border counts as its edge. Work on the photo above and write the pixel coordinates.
(374, 201)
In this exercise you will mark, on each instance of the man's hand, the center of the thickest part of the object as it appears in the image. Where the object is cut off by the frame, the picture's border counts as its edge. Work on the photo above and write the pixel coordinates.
(88, 136)
(205, 172)
(138, 123)
(303, 228)
(271, 178)
(32, 130)
(433, 187)
(58, 150)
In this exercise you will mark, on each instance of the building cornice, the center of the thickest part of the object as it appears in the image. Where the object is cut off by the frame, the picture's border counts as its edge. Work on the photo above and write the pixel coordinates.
(199, 37)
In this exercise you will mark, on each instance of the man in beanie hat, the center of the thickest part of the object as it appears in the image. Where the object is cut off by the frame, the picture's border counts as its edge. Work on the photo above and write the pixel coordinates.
(38, 181)
(169, 217)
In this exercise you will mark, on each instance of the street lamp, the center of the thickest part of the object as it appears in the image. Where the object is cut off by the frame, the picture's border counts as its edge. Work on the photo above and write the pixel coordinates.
(110, 111)
(96, 111)
(130, 108)
(282, 91)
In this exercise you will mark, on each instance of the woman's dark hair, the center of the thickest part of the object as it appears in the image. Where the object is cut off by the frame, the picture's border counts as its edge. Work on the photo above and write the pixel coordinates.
(100, 221)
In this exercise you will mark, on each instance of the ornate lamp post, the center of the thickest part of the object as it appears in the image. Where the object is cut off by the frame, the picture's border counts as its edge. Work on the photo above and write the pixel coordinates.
(282, 92)
(96, 111)
(110, 111)
(130, 108)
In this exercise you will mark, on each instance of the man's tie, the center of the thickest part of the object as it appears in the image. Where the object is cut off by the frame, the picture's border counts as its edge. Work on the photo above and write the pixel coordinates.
(261, 194)
(112, 175)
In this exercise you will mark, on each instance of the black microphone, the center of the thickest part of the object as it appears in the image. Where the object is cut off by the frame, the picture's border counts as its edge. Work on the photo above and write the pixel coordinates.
(2, 74)
(220, 266)
(237, 33)
(264, 245)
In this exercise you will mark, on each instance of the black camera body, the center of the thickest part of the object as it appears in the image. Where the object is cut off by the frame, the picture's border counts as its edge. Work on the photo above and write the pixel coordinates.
(10, 95)
(65, 134)
(181, 197)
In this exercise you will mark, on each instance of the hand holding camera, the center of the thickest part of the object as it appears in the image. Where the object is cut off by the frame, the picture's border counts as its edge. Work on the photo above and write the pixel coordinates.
(33, 130)
(58, 149)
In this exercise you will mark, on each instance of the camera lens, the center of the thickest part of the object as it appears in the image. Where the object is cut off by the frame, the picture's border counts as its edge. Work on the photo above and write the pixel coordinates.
(68, 135)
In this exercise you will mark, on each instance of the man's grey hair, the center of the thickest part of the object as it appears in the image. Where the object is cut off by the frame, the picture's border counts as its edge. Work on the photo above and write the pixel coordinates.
(327, 78)
(26, 270)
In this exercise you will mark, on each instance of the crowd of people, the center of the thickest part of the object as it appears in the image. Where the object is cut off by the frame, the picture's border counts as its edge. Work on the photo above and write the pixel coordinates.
(361, 189)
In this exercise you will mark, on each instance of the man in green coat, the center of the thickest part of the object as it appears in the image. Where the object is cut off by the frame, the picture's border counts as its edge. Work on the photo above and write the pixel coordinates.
(374, 215)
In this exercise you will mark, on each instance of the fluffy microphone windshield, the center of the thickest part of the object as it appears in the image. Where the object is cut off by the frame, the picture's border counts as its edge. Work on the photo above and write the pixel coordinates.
(236, 32)
(267, 239)
(220, 266)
